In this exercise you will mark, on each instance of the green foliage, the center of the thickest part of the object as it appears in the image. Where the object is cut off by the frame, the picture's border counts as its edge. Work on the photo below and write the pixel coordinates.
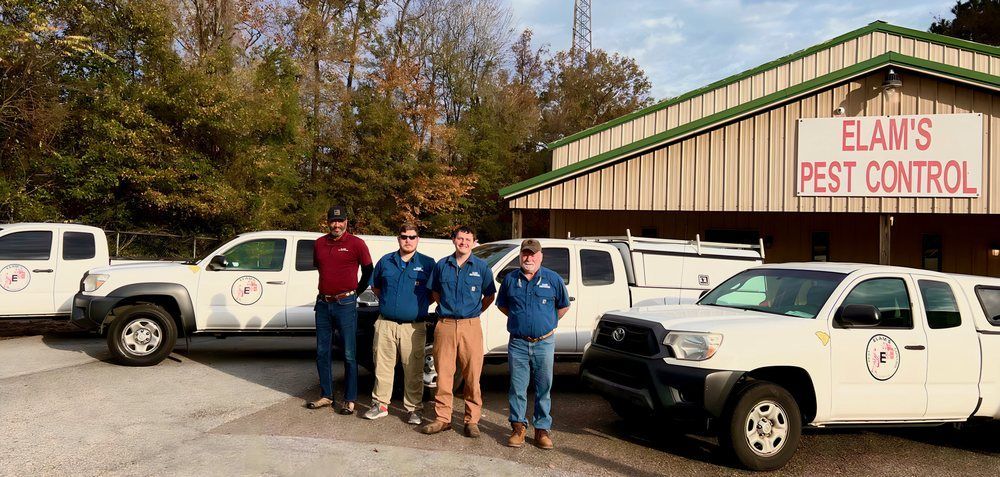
(135, 114)
(975, 20)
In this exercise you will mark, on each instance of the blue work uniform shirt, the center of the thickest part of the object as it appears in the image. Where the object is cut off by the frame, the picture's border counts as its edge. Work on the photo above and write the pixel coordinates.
(403, 286)
(461, 289)
(532, 304)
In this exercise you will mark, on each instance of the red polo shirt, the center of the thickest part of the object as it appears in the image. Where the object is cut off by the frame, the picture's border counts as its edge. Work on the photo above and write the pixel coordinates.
(338, 261)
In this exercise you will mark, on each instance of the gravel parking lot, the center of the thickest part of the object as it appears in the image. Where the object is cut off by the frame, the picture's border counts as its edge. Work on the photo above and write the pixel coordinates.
(235, 406)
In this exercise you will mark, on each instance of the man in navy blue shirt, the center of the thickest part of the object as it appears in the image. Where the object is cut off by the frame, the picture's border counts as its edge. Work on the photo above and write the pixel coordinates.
(462, 285)
(400, 282)
(533, 298)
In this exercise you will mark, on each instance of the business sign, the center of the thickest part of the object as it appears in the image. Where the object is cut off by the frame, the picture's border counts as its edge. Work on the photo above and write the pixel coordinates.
(930, 155)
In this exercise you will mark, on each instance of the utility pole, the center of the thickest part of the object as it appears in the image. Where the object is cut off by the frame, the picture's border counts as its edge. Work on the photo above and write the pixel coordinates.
(581, 31)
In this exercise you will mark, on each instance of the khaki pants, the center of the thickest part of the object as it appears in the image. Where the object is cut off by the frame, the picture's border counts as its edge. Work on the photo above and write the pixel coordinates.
(406, 341)
(458, 343)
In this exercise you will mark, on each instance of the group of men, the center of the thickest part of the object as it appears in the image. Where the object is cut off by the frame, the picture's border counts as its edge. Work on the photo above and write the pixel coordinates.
(407, 283)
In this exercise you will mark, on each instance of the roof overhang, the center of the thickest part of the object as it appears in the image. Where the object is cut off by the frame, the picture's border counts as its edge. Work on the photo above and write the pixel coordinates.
(902, 62)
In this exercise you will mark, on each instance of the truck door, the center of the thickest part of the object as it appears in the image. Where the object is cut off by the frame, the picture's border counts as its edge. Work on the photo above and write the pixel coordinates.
(878, 373)
(27, 272)
(302, 287)
(602, 287)
(249, 292)
(79, 254)
(953, 353)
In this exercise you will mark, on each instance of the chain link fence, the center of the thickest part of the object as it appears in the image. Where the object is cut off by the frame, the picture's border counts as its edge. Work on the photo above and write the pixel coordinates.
(132, 245)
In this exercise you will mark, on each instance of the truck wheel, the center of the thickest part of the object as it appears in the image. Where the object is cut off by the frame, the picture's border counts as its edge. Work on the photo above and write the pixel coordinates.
(142, 335)
(762, 428)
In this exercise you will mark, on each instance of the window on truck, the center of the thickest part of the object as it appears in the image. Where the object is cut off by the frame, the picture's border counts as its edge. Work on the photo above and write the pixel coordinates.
(989, 299)
(264, 255)
(940, 304)
(797, 293)
(553, 258)
(304, 255)
(33, 245)
(889, 295)
(79, 246)
(596, 268)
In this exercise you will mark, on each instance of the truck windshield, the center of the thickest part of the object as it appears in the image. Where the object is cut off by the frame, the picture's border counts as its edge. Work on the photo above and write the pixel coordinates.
(798, 293)
(493, 252)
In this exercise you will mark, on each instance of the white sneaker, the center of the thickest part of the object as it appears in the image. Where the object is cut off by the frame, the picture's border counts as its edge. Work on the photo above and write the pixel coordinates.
(414, 418)
(377, 410)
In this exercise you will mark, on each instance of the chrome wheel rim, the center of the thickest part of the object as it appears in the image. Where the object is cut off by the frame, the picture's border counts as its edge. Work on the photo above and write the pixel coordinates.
(141, 336)
(766, 428)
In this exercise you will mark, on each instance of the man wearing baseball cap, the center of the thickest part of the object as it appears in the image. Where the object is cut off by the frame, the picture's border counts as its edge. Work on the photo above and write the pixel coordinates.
(337, 256)
(534, 298)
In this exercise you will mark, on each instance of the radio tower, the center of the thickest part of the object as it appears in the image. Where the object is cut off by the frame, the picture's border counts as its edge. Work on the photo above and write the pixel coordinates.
(581, 31)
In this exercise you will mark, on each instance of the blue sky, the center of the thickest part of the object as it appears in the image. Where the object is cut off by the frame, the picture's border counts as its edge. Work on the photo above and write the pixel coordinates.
(685, 44)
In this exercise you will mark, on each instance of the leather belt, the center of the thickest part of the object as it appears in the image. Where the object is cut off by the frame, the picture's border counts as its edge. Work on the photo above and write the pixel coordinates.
(339, 296)
(535, 340)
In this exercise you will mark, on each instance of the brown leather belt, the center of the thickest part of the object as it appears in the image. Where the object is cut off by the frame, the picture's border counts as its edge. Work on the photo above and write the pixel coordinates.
(339, 296)
(535, 340)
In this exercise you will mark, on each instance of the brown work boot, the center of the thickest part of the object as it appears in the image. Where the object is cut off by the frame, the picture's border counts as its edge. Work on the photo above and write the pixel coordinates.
(435, 427)
(542, 439)
(472, 430)
(516, 438)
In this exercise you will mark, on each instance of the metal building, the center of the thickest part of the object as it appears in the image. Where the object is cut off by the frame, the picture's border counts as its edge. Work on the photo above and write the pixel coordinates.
(751, 157)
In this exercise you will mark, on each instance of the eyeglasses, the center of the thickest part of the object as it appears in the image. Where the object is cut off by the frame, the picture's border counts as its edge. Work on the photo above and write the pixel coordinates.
(408, 237)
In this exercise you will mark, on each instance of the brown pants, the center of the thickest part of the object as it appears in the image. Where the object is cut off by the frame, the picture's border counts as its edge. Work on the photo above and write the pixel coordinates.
(458, 343)
(405, 341)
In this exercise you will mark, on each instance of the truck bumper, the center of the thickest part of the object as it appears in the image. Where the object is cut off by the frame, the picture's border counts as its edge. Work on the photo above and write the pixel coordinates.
(89, 311)
(651, 386)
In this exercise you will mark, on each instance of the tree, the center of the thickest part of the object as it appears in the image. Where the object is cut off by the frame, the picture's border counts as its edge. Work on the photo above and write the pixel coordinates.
(974, 20)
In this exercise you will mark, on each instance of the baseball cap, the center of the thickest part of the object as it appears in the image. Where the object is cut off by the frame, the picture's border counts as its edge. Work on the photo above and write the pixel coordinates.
(532, 245)
(336, 212)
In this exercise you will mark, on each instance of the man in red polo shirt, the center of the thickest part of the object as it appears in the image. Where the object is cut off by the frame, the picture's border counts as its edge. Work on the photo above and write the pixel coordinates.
(337, 256)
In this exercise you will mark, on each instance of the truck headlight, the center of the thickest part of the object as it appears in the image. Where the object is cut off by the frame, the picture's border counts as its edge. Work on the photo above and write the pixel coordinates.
(693, 346)
(368, 298)
(93, 282)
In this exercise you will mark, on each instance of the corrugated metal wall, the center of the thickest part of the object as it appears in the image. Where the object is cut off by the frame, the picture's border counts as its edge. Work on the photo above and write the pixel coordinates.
(749, 164)
(789, 74)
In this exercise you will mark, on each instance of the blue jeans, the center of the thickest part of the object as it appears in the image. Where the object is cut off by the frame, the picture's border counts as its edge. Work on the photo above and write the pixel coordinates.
(341, 316)
(531, 362)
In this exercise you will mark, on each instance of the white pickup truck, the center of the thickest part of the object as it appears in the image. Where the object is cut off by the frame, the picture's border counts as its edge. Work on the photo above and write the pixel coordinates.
(780, 346)
(41, 265)
(265, 283)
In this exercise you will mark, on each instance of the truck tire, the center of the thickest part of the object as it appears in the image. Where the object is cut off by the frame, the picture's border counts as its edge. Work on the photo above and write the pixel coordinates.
(142, 335)
(761, 429)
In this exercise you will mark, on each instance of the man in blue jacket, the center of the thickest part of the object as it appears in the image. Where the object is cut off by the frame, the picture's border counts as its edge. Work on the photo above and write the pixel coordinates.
(534, 298)
(400, 282)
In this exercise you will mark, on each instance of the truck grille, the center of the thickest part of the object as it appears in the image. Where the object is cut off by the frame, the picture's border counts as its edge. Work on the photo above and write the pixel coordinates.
(633, 339)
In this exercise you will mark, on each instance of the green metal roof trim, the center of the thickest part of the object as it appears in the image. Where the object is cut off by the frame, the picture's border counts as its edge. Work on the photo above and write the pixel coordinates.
(880, 61)
(877, 26)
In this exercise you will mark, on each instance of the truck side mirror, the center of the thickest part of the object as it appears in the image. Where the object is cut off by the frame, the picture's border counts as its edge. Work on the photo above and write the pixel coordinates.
(217, 263)
(503, 273)
(703, 293)
(858, 316)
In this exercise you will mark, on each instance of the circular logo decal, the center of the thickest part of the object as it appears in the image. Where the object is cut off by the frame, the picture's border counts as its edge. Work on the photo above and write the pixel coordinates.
(14, 277)
(618, 334)
(882, 357)
(247, 290)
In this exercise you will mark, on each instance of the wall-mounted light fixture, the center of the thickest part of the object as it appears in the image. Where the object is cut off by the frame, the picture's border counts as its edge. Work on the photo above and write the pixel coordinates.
(892, 81)
(995, 250)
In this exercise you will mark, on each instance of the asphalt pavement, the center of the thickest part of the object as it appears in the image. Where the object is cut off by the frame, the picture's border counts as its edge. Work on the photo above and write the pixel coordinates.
(235, 407)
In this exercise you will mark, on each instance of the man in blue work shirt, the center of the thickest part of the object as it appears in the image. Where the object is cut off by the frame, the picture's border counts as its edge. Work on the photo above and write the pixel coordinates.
(400, 282)
(462, 285)
(533, 298)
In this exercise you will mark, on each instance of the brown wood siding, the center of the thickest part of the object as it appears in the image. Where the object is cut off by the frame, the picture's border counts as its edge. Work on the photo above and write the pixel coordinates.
(966, 239)
(749, 164)
(781, 76)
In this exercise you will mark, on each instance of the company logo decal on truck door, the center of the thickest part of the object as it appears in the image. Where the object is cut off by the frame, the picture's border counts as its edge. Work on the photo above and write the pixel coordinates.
(14, 277)
(247, 290)
(882, 357)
